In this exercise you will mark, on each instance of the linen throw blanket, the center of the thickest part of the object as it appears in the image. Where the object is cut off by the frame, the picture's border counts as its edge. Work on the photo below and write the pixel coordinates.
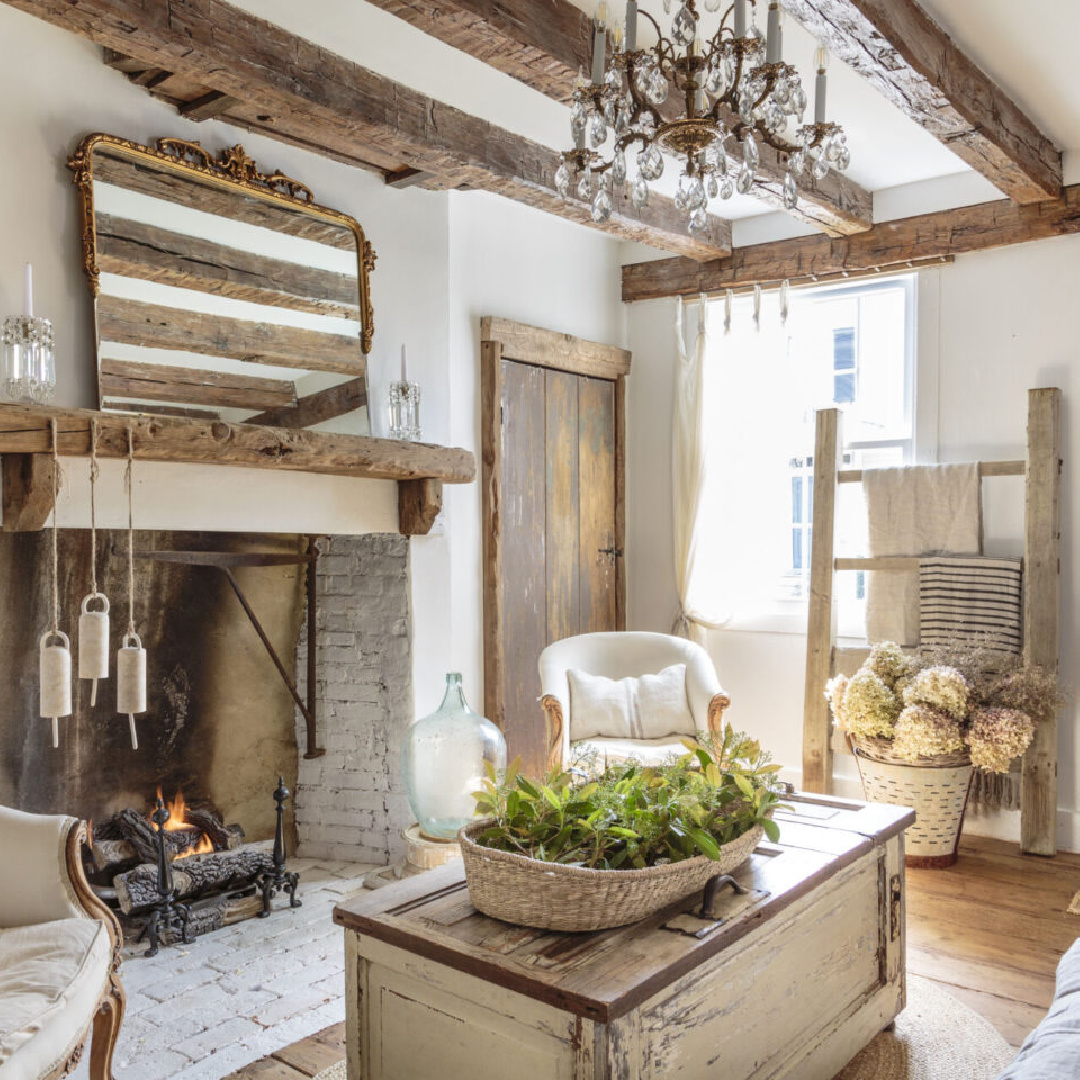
(970, 601)
(913, 511)
(975, 601)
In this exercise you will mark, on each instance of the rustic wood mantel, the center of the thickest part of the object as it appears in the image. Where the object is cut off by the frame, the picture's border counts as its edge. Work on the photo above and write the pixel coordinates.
(26, 437)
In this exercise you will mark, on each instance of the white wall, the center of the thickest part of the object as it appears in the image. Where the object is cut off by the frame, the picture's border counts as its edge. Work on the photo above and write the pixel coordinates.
(992, 325)
(443, 262)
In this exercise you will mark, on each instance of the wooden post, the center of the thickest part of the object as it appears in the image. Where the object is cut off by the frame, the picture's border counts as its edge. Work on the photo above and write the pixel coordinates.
(1042, 593)
(821, 619)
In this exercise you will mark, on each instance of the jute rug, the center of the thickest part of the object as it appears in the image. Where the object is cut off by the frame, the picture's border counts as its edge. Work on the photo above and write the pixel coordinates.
(936, 1038)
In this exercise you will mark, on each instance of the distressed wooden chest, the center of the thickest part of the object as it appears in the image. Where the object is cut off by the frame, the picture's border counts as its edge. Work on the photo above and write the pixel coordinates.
(790, 980)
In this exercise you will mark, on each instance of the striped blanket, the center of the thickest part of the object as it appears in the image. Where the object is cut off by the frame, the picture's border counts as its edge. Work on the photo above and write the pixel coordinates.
(970, 600)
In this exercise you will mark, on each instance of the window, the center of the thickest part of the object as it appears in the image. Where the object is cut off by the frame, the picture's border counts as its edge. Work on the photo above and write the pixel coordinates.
(844, 369)
(850, 346)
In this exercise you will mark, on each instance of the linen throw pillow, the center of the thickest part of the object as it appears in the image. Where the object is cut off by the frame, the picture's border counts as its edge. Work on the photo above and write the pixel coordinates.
(648, 707)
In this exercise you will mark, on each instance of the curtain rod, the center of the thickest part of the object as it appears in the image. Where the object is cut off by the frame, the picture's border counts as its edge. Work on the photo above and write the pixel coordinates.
(809, 281)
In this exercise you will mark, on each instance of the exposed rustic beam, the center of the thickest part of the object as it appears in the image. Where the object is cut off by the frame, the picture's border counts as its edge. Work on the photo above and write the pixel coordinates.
(889, 246)
(134, 249)
(317, 408)
(132, 322)
(212, 103)
(544, 43)
(193, 386)
(299, 92)
(29, 485)
(25, 429)
(906, 56)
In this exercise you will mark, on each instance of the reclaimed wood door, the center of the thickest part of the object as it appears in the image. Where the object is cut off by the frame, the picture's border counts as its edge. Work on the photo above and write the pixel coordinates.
(553, 511)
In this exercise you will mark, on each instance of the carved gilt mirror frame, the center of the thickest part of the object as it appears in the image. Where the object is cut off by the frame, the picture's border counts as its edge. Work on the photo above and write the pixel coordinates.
(314, 350)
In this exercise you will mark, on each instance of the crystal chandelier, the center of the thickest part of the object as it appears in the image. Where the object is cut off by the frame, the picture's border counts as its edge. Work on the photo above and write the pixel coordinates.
(734, 90)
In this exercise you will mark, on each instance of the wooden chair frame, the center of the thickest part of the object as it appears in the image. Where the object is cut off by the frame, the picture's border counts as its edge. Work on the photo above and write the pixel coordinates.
(110, 1009)
(1041, 603)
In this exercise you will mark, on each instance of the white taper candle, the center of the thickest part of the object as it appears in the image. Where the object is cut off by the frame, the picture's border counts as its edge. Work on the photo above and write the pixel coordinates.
(28, 291)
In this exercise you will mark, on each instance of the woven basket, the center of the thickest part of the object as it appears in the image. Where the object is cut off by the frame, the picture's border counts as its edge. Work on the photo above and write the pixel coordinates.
(935, 788)
(549, 896)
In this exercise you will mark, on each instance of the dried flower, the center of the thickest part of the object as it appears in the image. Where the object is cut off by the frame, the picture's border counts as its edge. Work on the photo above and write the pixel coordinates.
(890, 663)
(997, 736)
(835, 689)
(925, 732)
(941, 688)
(869, 707)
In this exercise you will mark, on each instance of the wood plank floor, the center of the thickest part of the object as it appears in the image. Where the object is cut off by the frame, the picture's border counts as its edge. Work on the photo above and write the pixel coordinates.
(990, 930)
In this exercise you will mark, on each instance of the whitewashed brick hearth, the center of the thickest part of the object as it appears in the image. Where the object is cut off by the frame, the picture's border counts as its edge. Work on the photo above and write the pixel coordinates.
(350, 804)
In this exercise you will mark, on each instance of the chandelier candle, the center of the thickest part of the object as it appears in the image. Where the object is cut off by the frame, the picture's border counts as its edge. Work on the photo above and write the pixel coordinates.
(821, 63)
(775, 47)
(599, 48)
(631, 25)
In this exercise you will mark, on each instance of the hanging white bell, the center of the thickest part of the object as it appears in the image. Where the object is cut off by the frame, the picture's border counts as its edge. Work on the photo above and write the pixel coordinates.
(54, 672)
(94, 642)
(131, 681)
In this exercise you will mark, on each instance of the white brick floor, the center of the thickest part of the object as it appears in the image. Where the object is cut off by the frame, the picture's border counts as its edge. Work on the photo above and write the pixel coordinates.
(201, 1011)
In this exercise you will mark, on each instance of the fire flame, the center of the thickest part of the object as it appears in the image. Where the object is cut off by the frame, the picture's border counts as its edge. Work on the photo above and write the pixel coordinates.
(178, 822)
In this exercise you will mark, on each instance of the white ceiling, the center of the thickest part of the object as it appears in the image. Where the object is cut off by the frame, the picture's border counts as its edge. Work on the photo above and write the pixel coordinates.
(1031, 48)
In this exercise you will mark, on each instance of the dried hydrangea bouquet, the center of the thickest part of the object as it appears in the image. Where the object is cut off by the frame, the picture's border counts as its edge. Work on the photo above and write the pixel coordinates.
(918, 723)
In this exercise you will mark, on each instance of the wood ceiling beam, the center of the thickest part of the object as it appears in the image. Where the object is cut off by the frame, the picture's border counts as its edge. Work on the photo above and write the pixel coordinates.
(544, 43)
(889, 246)
(914, 63)
(299, 92)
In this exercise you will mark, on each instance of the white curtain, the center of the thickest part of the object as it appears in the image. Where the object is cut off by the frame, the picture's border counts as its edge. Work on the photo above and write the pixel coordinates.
(738, 422)
(689, 454)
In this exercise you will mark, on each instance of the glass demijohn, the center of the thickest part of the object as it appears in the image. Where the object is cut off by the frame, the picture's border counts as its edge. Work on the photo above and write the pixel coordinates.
(443, 762)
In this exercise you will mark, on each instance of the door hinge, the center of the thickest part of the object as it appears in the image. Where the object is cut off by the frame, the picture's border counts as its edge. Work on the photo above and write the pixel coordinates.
(612, 553)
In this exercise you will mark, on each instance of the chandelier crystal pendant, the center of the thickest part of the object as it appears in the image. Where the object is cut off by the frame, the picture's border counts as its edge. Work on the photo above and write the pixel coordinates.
(734, 91)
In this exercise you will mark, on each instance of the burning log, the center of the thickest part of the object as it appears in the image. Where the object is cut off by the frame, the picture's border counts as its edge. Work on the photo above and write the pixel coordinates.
(195, 876)
(223, 837)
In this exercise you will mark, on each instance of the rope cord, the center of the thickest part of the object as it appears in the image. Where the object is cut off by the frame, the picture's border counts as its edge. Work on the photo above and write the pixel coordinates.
(131, 533)
(55, 539)
(93, 507)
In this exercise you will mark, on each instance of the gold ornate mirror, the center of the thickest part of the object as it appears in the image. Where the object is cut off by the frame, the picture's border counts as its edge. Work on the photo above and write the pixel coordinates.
(221, 291)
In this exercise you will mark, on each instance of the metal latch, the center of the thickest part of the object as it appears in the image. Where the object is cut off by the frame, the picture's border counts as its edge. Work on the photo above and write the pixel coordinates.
(896, 905)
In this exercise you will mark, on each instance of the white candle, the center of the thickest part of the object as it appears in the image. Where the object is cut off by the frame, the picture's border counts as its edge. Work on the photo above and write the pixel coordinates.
(631, 25)
(739, 19)
(821, 63)
(28, 292)
(773, 44)
(404, 373)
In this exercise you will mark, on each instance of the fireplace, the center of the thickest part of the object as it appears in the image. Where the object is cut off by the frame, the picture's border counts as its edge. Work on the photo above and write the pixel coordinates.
(221, 725)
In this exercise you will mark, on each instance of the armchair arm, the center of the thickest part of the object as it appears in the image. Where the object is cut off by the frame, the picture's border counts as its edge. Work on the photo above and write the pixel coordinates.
(556, 734)
(717, 705)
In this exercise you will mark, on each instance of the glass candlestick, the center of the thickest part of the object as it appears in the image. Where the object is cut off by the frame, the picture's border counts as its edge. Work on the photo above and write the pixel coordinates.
(405, 410)
(29, 359)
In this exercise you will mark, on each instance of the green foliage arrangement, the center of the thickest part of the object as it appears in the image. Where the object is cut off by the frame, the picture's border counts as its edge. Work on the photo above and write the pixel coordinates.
(634, 816)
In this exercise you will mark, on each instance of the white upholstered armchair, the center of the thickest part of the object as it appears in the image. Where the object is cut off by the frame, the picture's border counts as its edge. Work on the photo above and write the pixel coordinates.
(661, 709)
(59, 953)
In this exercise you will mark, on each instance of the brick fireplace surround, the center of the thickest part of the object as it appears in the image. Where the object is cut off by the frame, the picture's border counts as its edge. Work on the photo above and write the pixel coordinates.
(350, 804)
